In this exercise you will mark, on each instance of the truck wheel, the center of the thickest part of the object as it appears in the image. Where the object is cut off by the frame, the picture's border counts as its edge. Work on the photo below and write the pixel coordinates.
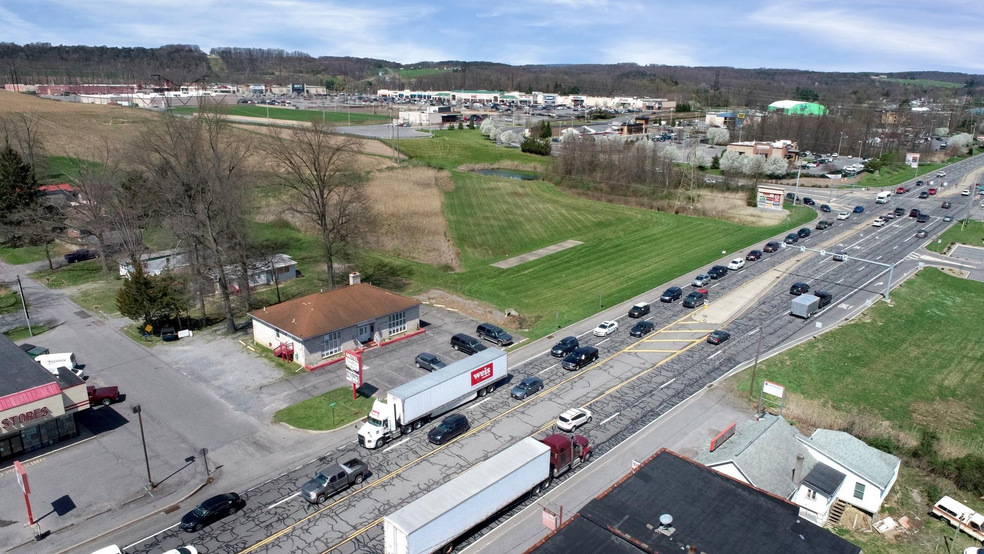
(448, 549)
(490, 389)
(380, 443)
(546, 484)
(106, 402)
(358, 479)
(321, 498)
(418, 424)
(587, 457)
(406, 429)
(481, 392)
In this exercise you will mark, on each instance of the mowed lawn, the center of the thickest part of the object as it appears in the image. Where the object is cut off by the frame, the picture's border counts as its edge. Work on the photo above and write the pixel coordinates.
(290, 114)
(972, 234)
(451, 149)
(626, 251)
(894, 175)
(917, 363)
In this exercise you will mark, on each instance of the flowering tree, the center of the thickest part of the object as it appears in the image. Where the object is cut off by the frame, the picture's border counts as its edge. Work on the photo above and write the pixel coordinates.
(776, 166)
(718, 135)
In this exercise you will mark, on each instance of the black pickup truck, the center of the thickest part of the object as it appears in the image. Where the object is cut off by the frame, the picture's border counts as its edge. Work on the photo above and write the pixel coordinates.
(334, 478)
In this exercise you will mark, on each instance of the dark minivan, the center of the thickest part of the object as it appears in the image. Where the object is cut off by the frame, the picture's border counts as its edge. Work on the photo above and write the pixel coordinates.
(467, 344)
(803, 233)
(799, 288)
(494, 334)
(564, 347)
(639, 310)
(717, 271)
(449, 428)
(671, 294)
(695, 298)
(580, 358)
(824, 296)
(791, 238)
(823, 224)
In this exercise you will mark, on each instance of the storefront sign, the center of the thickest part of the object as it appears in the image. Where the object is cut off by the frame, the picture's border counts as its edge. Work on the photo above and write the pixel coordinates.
(20, 419)
(353, 370)
(770, 197)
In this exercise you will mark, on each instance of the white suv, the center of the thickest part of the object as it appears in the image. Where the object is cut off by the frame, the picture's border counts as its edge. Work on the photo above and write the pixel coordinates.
(573, 418)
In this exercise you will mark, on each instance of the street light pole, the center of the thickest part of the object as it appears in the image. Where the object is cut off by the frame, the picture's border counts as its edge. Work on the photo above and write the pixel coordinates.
(139, 412)
(839, 144)
(891, 267)
(796, 194)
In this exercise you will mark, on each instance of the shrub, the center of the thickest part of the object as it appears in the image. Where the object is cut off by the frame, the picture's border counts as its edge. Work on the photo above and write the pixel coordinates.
(540, 147)
(885, 444)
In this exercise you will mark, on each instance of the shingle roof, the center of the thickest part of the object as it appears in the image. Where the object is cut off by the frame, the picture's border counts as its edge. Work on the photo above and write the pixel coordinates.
(765, 453)
(872, 464)
(711, 511)
(324, 312)
(824, 479)
(20, 373)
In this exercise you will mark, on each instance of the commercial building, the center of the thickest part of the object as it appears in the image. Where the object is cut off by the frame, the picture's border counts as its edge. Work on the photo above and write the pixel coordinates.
(822, 473)
(780, 148)
(720, 119)
(37, 407)
(672, 504)
(433, 115)
(323, 325)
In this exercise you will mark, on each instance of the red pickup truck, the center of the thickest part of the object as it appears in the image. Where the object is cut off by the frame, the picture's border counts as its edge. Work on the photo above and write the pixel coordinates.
(103, 395)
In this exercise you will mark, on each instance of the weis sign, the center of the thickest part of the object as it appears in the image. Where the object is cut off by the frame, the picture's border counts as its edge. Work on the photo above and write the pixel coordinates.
(481, 374)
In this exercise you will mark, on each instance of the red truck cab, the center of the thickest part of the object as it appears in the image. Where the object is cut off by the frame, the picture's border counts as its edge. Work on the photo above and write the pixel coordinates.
(567, 452)
(103, 395)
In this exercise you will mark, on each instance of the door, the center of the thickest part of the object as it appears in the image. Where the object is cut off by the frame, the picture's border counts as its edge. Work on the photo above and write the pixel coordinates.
(365, 332)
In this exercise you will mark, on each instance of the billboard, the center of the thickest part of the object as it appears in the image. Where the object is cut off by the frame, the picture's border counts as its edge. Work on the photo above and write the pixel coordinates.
(353, 368)
(912, 159)
(770, 197)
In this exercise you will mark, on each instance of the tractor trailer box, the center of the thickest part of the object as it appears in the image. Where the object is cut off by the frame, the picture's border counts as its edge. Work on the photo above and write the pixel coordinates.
(805, 306)
(435, 520)
(409, 406)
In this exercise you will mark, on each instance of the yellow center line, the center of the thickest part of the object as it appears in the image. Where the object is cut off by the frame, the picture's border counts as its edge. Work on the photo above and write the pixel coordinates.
(472, 431)
(687, 331)
(652, 350)
(351, 537)
(667, 340)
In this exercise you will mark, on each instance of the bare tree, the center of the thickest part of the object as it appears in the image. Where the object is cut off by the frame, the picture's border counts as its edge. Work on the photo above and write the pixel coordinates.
(316, 168)
(40, 225)
(129, 212)
(198, 171)
(22, 132)
(96, 182)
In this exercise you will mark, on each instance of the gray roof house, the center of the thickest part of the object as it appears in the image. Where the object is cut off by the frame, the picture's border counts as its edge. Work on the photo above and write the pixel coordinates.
(822, 473)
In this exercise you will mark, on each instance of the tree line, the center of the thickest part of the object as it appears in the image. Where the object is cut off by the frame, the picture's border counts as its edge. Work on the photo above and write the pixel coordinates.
(196, 177)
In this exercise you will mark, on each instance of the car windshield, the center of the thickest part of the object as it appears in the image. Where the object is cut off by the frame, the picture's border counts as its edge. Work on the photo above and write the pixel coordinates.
(525, 384)
(200, 511)
(321, 479)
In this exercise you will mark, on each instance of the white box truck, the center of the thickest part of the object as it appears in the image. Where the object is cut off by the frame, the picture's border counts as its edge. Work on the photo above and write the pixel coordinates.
(433, 522)
(883, 197)
(409, 406)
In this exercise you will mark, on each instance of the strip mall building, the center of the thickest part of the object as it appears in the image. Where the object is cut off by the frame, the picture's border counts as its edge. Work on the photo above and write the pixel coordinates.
(37, 408)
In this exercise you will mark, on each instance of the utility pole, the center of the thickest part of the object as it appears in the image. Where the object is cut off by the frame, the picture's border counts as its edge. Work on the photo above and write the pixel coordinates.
(27, 316)
(796, 194)
(139, 412)
(839, 143)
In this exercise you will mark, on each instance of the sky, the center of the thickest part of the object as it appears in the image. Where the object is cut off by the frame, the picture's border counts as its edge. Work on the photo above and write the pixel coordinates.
(827, 35)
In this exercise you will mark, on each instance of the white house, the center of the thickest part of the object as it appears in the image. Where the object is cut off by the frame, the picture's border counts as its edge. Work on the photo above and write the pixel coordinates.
(277, 269)
(156, 263)
(821, 474)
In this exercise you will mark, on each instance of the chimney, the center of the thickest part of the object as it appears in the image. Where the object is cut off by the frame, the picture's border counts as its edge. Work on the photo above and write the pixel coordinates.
(798, 470)
(355, 278)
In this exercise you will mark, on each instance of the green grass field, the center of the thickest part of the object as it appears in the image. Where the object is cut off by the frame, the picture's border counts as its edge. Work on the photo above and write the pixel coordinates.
(450, 149)
(29, 254)
(925, 83)
(290, 114)
(894, 175)
(626, 251)
(9, 300)
(902, 363)
(972, 234)
(315, 414)
(70, 275)
(21, 333)
(420, 72)
(100, 296)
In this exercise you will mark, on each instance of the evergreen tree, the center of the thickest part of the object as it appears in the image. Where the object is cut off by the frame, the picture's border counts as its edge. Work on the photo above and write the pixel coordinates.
(19, 193)
(148, 298)
(716, 162)
(545, 131)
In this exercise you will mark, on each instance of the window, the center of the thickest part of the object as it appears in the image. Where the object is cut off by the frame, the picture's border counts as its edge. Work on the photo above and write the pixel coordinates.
(331, 344)
(811, 494)
(859, 491)
(397, 323)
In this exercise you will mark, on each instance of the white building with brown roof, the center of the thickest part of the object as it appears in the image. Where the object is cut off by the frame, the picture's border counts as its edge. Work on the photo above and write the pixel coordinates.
(322, 326)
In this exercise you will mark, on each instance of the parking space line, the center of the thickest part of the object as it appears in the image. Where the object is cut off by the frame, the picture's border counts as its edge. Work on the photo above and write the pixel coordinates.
(395, 444)
(275, 504)
(150, 537)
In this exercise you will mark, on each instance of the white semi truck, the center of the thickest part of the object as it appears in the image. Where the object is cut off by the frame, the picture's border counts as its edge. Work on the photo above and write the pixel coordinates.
(409, 406)
(434, 521)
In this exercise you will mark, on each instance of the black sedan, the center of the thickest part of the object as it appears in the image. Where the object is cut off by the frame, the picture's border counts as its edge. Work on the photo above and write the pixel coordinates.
(717, 271)
(719, 336)
(809, 201)
(527, 387)
(799, 288)
(791, 238)
(673, 293)
(212, 510)
(564, 347)
(80, 255)
(642, 328)
(824, 208)
(754, 255)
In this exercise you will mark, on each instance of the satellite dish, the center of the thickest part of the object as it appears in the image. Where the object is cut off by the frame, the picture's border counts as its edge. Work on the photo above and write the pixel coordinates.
(665, 519)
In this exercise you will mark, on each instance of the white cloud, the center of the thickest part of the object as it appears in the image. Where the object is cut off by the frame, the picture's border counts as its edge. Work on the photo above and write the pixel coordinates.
(645, 51)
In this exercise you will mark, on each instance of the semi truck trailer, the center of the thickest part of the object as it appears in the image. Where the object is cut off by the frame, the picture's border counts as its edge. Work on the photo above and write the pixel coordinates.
(410, 406)
(434, 521)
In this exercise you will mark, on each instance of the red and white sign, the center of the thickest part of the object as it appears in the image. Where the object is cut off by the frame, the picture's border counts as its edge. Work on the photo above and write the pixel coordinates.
(549, 519)
(773, 389)
(21, 419)
(25, 487)
(483, 373)
(353, 367)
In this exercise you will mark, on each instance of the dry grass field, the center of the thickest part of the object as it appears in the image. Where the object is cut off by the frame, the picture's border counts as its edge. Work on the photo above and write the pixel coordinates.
(408, 202)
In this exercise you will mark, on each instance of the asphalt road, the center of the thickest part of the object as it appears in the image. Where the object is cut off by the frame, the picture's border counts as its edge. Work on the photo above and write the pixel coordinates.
(634, 383)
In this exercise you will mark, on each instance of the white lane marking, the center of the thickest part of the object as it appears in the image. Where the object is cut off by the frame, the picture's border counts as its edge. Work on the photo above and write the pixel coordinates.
(666, 384)
(291, 497)
(548, 369)
(715, 354)
(879, 283)
(714, 285)
(604, 341)
(908, 239)
(530, 359)
(752, 333)
(648, 318)
(609, 418)
(150, 537)
(839, 282)
(479, 403)
(878, 258)
(395, 444)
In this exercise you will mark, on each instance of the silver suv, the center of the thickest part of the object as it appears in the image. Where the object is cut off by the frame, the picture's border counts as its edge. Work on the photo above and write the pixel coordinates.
(701, 280)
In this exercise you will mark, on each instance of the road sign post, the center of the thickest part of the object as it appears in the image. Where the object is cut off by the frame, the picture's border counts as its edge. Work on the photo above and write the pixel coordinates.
(25, 488)
(353, 370)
